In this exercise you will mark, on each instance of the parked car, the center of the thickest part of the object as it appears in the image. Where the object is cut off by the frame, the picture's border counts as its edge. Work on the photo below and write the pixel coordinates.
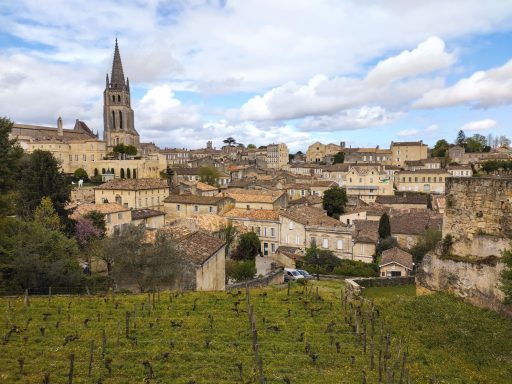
(306, 274)
(292, 275)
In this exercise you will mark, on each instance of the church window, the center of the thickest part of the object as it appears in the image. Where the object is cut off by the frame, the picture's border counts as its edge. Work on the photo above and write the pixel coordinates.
(128, 173)
(120, 120)
(114, 120)
(113, 98)
(134, 173)
(119, 98)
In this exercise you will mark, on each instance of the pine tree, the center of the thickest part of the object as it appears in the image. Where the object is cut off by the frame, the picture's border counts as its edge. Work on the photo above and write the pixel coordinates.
(384, 226)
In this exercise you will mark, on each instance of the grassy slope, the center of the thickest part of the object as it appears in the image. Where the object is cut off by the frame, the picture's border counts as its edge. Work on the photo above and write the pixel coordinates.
(446, 338)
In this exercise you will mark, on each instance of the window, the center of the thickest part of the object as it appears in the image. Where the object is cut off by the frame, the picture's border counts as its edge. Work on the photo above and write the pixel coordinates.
(70, 157)
(272, 232)
(119, 215)
(107, 218)
(272, 247)
(287, 239)
(264, 231)
(76, 157)
(92, 157)
(210, 209)
(339, 244)
(290, 225)
(146, 202)
(178, 207)
(297, 240)
(325, 243)
(196, 208)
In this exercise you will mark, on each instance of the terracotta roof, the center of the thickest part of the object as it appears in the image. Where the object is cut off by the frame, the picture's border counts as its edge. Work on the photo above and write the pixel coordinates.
(194, 199)
(411, 198)
(465, 167)
(365, 169)
(414, 223)
(424, 171)
(194, 171)
(85, 208)
(366, 231)
(407, 143)
(396, 255)
(199, 246)
(307, 200)
(253, 196)
(255, 214)
(144, 213)
(205, 187)
(292, 252)
(37, 132)
(134, 184)
(311, 216)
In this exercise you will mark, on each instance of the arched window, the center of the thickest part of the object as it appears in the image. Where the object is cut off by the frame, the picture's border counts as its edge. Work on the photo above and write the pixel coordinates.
(120, 120)
(121, 173)
(118, 199)
(127, 173)
(96, 172)
(113, 98)
(113, 120)
(134, 173)
(119, 98)
(112, 171)
(102, 171)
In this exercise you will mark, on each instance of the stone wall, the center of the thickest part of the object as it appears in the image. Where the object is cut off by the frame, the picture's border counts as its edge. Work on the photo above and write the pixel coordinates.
(478, 215)
(275, 277)
(475, 282)
(355, 286)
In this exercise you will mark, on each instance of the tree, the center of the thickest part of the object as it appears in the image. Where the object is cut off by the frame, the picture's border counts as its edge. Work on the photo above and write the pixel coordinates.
(34, 256)
(461, 138)
(476, 143)
(339, 158)
(41, 176)
(383, 244)
(149, 264)
(384, 226)
(334, 201)
(209, 175)
(242, 270)
(228, 234)
(506, 276)
(229, 141)
(320, 260)
(248, 247)
(251, 146)
(98, 220)
(10, 156)
(426, 243)
(503, 141)
(46, 215)
(81, 173)
(85, 232)
(440, 148)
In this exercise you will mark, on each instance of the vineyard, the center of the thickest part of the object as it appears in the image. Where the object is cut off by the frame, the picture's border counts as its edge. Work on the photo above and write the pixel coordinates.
(296, 334)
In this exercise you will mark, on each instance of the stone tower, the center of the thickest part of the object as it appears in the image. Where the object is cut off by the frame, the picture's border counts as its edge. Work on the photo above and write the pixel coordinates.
(118, 122)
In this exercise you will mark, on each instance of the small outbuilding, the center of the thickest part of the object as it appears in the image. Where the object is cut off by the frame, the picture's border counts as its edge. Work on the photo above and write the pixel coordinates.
(395, 263)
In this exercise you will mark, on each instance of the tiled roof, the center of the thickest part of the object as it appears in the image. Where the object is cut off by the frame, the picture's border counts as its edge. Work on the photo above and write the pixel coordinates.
(38, 132)
(437, 171)
(292, 252)
(407, 143)
(365, 169)
(85, 208)
(255, 214)
(411, 198)
(199, 246)
(396, 255)
(194, 171)
(464, 167)
(307, 200)
(194, 199)
(144, 213)
(205, 187)
(253, 196)
(134, 184)
(311, 216)
(366, 231)
(414, 223)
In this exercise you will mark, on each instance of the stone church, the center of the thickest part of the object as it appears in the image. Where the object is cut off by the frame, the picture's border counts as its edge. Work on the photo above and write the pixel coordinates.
(118, 121)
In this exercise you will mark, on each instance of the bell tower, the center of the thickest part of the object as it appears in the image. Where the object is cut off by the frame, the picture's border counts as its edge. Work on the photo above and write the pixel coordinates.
(118, 121)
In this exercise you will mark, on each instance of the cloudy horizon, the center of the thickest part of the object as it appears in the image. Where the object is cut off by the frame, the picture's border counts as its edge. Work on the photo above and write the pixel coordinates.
(263, 71)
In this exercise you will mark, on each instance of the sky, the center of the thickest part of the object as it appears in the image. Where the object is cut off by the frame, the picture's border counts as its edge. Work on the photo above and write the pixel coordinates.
(265, 71)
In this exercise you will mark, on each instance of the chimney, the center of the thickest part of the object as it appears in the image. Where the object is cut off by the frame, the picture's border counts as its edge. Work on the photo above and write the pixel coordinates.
(60, 131)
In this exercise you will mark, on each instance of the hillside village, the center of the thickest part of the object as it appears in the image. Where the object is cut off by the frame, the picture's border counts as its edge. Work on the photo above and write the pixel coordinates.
(283, 198)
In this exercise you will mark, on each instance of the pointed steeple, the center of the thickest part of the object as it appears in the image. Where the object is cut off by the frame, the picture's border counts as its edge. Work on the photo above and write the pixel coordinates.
(117, 78)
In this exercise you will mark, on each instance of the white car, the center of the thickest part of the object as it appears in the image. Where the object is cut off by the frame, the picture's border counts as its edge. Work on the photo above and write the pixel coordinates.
(292, 275)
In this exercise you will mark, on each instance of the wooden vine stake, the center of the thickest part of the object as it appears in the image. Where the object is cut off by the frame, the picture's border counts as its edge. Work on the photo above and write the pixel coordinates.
(49, 295)
(71, 368)
(127, 324)
(103, 344)
(91, 352)
(25, 299)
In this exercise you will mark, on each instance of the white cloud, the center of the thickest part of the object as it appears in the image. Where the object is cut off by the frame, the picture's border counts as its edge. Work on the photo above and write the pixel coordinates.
(323, 96)
(432, 128)
(479, 125)
(408, 132)
(350, 119)
(429, 56)
(482, 89)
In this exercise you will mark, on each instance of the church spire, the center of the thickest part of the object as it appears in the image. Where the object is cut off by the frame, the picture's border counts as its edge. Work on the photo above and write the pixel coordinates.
(117, 78)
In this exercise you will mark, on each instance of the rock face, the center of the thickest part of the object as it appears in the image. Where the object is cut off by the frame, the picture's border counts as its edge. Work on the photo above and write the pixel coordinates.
(478, 216)
(475, 282)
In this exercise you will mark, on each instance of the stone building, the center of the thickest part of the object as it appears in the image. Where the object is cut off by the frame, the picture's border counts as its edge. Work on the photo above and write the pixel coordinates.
(317, 152)
(265, 223)
(367, 182)
(300, 226)
(118, 117)
(365, 238)
(116, 216)
(133, 193)
(150, 218)
(407, 151)
(277, 156)
(422, 180)
(177, 206)
(395, 263)
(408, 227)
(258, 199)
(367, 155)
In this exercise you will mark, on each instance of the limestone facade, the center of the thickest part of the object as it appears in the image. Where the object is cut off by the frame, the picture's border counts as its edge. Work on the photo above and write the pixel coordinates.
(133, 193)
(407, 151)
(277, 156)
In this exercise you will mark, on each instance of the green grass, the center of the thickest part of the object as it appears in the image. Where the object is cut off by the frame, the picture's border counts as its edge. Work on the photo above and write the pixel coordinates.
(445, 338)
(387, 292)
